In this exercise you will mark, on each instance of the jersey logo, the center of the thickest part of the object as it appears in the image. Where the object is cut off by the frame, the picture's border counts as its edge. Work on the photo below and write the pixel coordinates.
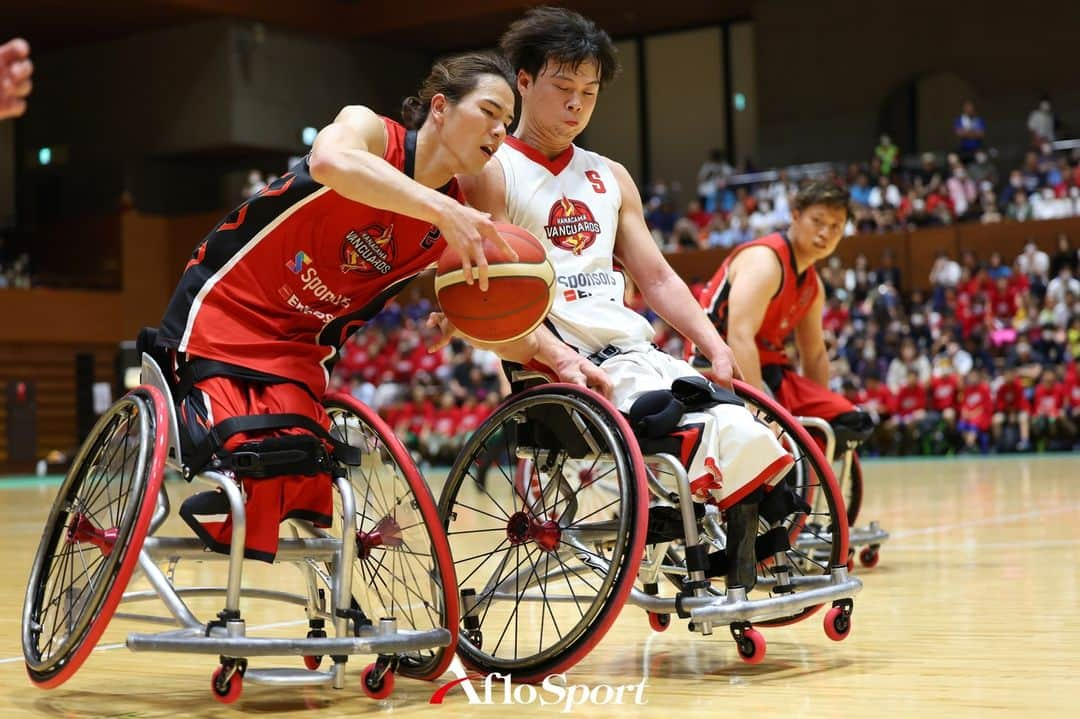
(571, 225)
(368, 251)
(297, 263)
(433, 236)
(571, 295)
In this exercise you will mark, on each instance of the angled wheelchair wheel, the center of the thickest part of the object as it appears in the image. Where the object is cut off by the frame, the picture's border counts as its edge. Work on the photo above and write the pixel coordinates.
(403, 567)
(546, 512)
(852, 489)
(807, 536)
(819, 535)
(93, 536)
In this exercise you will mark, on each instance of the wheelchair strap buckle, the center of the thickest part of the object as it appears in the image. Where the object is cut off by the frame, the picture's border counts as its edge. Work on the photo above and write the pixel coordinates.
(598, 358)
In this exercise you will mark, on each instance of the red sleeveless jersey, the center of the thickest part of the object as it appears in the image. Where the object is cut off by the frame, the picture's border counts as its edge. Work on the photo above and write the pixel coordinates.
(282, 281)
(786, 308)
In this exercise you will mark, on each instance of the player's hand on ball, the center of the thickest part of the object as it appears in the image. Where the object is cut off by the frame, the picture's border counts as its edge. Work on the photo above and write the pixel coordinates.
(447, 331)
(465, 230)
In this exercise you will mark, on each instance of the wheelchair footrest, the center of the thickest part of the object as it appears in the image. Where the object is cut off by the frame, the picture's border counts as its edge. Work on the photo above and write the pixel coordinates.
(369, 642)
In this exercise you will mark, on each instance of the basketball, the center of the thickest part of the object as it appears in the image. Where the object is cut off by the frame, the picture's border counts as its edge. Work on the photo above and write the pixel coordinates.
(519, 293)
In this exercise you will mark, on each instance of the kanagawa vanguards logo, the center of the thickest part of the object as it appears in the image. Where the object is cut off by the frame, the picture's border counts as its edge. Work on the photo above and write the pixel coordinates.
(497, 688)
(368, 251)
(571, 225)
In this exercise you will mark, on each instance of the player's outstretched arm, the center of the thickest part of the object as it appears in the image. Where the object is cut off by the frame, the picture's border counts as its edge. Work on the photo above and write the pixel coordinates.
(662, 288)
(347, 157)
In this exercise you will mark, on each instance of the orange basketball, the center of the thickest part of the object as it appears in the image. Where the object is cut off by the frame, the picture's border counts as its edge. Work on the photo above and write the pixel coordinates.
(519, 293)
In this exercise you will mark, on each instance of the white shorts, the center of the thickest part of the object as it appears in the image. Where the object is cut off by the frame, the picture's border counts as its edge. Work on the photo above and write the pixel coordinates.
(728, 452)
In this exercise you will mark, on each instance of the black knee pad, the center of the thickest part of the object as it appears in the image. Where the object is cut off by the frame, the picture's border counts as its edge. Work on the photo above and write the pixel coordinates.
(655, 414)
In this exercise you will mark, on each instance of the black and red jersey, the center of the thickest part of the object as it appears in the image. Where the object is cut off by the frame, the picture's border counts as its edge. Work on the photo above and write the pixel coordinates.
(282, 281)
(786, 308)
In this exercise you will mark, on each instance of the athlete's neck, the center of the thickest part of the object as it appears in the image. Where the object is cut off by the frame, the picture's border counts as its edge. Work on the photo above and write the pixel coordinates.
(432, 168)
(543, 141)
(802, 262)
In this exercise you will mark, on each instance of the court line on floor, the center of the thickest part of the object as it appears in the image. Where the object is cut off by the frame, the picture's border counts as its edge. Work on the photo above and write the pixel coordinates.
(969, 545)
(987, 522)
(107, 647)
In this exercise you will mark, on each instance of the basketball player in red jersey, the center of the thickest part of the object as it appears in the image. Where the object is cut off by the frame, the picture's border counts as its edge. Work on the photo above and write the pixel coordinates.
(273, 291)
(586, 209)
(768, 289)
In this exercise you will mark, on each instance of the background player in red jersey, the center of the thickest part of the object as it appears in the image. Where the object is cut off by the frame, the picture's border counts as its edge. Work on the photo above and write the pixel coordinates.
(768, 289)
(274, 290)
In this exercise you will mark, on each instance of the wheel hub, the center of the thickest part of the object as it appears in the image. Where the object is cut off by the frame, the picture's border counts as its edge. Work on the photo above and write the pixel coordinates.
(83, 530)
(521, 528)
(385, 533)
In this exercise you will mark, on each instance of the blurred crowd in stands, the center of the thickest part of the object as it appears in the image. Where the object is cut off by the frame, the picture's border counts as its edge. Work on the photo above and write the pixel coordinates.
(986, 361)
(889, 192)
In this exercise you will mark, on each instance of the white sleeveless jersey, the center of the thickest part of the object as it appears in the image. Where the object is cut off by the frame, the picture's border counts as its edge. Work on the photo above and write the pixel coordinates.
(571, 204)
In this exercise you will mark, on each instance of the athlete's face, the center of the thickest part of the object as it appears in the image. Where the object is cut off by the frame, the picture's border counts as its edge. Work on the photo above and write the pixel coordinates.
(474, 128)
(560, 100)
(817, 230)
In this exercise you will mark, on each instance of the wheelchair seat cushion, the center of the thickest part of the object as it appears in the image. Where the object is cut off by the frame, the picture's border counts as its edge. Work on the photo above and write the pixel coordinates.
(856, 426)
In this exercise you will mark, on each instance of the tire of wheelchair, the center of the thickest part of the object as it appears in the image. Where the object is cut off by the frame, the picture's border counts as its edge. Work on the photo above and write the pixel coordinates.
(853, 492)
(135, 432)
(480, 644)
(437, 567)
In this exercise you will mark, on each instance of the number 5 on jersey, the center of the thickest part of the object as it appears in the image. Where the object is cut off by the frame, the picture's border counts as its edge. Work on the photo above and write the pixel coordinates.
(597, 183)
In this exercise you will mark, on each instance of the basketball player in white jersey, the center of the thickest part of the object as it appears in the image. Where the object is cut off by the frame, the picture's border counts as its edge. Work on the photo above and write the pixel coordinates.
(587, 210)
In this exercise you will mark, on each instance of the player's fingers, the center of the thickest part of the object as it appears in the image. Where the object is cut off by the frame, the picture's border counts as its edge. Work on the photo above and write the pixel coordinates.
(466, 265)
(501, 243)
(11, 108)
(20, 71)
(482, 267)
(13, 50)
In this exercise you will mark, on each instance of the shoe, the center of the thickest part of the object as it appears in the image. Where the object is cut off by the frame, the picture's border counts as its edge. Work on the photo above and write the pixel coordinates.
(742, 525)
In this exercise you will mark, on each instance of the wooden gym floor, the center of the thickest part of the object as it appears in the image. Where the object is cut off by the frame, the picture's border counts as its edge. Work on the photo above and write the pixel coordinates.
(973, 611)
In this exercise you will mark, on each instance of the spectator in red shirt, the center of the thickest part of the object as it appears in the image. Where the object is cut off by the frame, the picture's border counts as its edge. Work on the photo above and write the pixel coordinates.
(976, 412)
(1011, 408)
(836, 316)
(415, 417)
(910, 412)
(881, 403)
(944, 400)
(441, 439)
(1050, 424)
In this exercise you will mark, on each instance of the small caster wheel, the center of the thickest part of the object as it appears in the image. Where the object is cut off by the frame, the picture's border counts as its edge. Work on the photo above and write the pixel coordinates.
(375, 686)
(751, 646)
(837, 624)
(312, 662)
(228, 690)
(659, 622)
(475, 637)
(869, 557)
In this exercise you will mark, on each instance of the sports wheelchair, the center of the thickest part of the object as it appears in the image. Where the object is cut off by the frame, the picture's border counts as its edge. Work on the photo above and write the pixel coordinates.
(385, 562)
(848, 436)
(556, 519)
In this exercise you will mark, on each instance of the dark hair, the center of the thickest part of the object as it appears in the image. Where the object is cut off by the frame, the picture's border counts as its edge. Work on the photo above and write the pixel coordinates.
(821, 192)
(561, 36)
(455, 77)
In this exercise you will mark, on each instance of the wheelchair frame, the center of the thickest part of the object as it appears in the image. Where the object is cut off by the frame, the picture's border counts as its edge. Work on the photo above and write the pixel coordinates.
(702, 607)
(872, 536)
(319, 557)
